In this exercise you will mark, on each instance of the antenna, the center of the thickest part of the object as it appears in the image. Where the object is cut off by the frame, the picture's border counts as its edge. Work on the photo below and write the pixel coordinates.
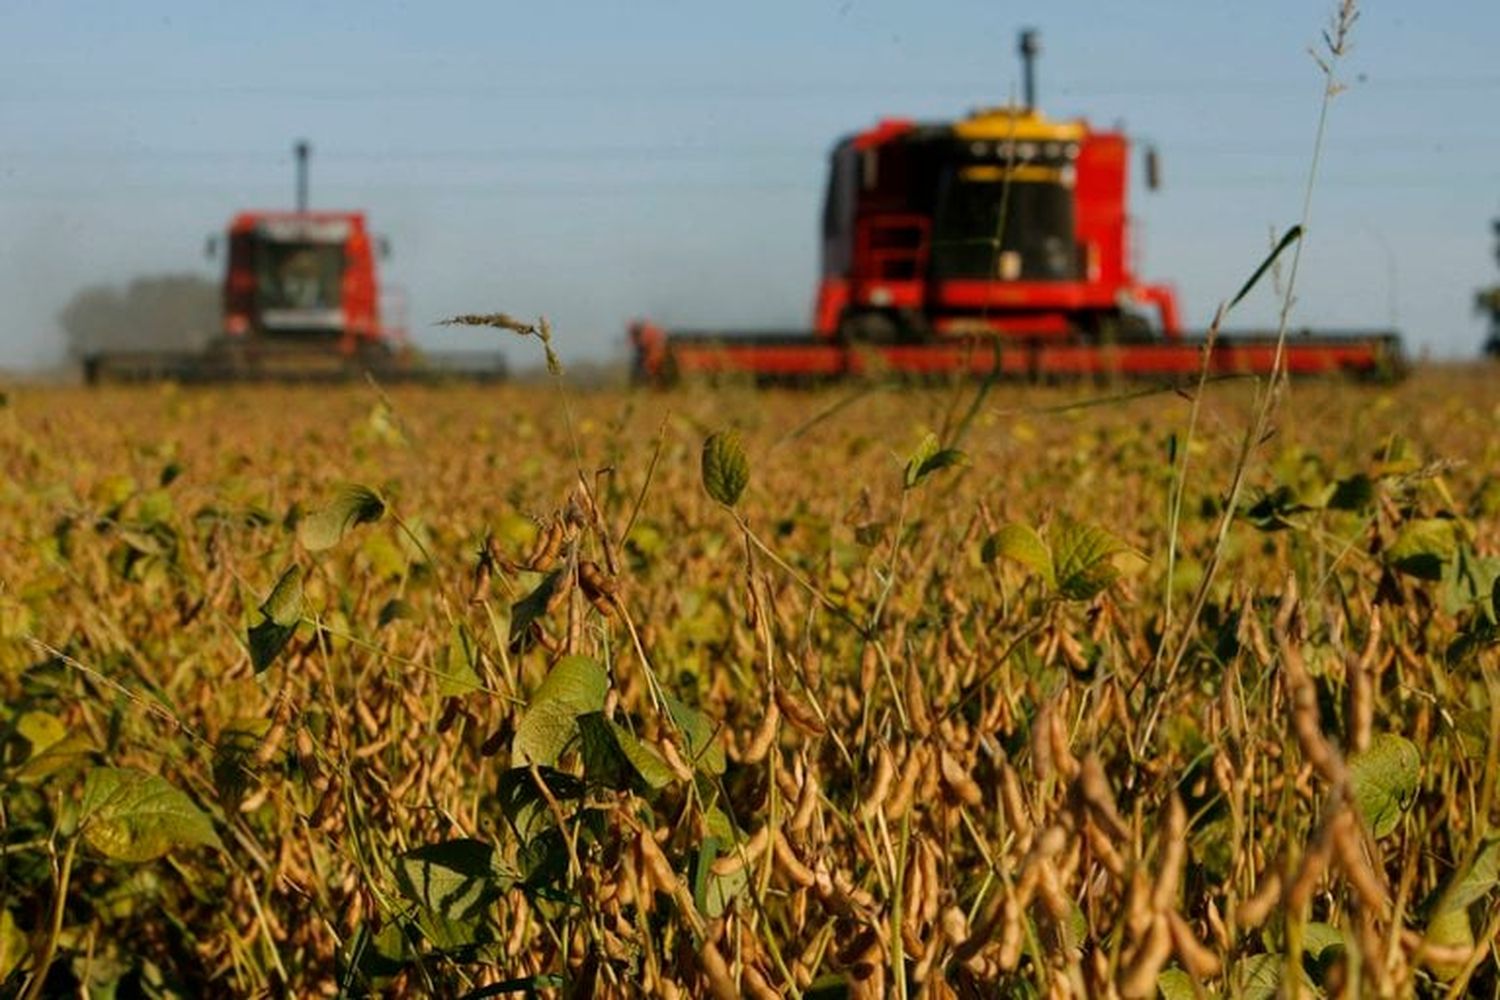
(1031, 47)
(302, 149)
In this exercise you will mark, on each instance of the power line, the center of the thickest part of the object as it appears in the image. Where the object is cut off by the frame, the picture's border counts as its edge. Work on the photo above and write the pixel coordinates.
(779, 90)
(586, 152)
(673, 189)
(1400, 143)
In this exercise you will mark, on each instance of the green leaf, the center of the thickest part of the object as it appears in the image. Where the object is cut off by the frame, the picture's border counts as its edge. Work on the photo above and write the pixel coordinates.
(1292, 236)
(544, 863)
(928, 447)
(1020, 543)
(1319, 940)
(1450, 929)
(454, 937)
(40, 730)
(284, 604)
(459, 674)
(352, 506)
(1355, 493)
(576, 685)
(394, 610)
(647, 763)
(544, 732)
(1074, 927)
(713, 894)
(1383, 780)
(523, 804)
(613, 757)
(130, 815)
(281, 613)
(379, 955)
(1259, 977)
(1083, 559)
(73, 750)
(576, 681)
(385, 556)
(704, 752)
(525, 613)
(1474, 882)
(708, 852)
(929, 458)
(234, 765)
(13, 943)
(1175, 984)
(726, 471)
(456, 879)
(1422, 547)
(1467, 582)
(1278, 509)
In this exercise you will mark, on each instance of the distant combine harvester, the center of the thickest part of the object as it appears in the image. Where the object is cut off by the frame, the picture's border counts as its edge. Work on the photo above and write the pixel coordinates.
(301, 302)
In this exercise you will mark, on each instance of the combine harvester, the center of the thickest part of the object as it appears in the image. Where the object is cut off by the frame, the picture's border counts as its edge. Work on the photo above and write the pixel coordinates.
(301, 303)
(994, 245)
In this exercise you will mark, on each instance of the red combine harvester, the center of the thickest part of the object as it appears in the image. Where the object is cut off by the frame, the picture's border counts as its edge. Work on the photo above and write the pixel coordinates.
(998, 244)
(302, 302)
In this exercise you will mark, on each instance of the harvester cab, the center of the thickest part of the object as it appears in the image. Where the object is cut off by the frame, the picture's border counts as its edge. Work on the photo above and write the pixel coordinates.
(1003, 222)
(302, 277)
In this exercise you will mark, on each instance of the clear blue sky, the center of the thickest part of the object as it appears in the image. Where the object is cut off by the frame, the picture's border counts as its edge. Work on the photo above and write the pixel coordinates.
(596, 161)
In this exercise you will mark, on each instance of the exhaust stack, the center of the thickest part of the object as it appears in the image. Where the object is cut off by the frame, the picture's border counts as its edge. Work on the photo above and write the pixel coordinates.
(1031, 47)
(302, 149)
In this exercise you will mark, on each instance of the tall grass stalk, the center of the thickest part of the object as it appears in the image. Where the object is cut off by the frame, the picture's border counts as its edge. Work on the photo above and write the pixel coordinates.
(1336, 41)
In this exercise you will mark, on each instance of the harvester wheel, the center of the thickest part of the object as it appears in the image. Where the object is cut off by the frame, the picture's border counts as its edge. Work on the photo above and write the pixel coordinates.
(1123, 327)
(869, 328)
(228, 358)
(376, 359)
(1135, 329)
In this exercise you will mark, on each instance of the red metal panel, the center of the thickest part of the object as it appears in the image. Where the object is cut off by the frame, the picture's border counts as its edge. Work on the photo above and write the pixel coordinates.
(1099, 210)
(239, 282)
(886, 130)
(1024, 296)
(833, 299)
(1020, 359)
(361, 294)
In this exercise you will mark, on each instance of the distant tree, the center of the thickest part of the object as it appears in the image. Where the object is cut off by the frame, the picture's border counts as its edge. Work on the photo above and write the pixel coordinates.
(165, 312)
